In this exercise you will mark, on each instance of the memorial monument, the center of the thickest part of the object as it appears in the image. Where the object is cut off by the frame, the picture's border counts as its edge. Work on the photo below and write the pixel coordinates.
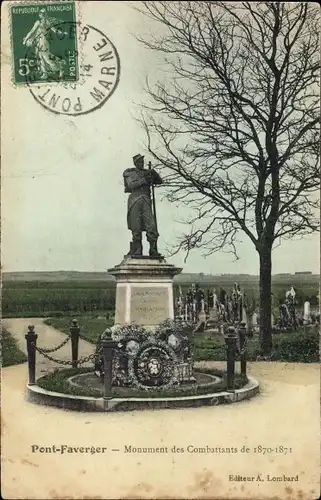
(152, 349)
(144, 283)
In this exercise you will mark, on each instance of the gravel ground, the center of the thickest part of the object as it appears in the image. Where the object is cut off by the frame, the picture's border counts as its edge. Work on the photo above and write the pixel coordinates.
(286, 413)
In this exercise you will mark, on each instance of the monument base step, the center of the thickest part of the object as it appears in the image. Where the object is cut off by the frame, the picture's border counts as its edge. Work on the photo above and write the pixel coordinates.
(145, 257)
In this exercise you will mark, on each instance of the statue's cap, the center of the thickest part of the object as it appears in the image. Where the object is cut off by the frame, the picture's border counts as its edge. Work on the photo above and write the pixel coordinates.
(137, 157)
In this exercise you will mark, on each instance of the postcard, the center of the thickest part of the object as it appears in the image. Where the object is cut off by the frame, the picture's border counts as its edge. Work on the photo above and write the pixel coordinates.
(160, 250)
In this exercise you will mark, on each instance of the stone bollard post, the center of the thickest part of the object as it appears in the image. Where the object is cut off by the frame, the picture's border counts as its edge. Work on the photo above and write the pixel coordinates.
(242, 331)
(31, 338)
(230, 340)
(108, 345)
(74, 332)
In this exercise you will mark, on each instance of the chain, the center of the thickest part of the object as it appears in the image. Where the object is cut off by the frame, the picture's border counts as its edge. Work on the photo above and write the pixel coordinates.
(85, 359)
(64, 342)
(80, 361)
(98, 351)
(90, 357)
(60, 361)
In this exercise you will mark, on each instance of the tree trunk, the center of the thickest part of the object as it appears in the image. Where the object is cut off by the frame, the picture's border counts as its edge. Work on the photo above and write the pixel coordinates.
(265, 301)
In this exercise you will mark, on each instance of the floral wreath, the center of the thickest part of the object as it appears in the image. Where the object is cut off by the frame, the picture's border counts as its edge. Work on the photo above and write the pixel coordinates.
(181, 330)
(127, 333)
(169, 368)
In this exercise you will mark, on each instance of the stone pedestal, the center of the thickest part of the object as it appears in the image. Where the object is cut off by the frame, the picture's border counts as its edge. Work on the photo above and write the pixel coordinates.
(213, 319)
(144, 291)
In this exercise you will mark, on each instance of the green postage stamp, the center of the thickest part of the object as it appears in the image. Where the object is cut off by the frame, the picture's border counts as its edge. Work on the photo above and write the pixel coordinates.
(44, 42)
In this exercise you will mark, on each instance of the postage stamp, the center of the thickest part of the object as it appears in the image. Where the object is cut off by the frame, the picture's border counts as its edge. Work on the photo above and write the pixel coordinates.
(44, 42)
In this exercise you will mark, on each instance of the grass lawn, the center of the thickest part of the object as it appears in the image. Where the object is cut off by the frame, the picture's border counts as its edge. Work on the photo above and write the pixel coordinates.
(299, 346)
(91, 325)
(11, 354)
(295, 346)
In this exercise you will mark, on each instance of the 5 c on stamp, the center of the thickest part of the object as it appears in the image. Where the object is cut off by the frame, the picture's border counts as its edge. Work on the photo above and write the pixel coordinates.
(44, 42)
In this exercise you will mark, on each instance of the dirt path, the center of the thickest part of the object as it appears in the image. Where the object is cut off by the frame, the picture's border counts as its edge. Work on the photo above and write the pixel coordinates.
(286, 413)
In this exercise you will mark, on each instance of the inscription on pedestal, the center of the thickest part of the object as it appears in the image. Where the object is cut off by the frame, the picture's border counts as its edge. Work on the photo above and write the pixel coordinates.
(149, 305)
(120, 304)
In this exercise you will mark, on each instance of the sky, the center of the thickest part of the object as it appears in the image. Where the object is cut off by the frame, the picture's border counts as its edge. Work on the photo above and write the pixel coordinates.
(63, 201)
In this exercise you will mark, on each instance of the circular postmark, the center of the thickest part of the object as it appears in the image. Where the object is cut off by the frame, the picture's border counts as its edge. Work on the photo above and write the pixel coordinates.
(78, 78)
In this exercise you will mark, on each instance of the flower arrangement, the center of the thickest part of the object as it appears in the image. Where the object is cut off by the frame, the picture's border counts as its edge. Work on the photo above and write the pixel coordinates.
(149, 360)
(130, 332)
(153, 366)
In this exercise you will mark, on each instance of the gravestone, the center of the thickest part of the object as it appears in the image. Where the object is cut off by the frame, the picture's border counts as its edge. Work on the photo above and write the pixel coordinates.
(244, 315)
(306, 313)
(254, 319)
(272, 321)
(255, 324)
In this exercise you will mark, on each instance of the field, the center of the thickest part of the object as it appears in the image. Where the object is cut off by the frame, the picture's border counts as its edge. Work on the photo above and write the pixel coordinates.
(74, 297)
(40, 298)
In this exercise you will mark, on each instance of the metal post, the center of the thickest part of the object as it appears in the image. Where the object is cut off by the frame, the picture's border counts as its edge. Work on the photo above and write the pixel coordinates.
(108, 351)
(74, 332)
(242, 336)
(31, 338)
(230, 340)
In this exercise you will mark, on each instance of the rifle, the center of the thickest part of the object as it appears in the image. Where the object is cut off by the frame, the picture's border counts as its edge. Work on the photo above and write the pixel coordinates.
(153, 198)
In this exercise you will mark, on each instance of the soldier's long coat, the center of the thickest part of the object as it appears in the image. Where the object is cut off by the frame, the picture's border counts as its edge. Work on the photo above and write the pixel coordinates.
(139, 209)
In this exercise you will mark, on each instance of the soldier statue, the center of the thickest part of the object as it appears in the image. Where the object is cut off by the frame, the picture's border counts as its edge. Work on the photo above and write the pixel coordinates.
(139, 183)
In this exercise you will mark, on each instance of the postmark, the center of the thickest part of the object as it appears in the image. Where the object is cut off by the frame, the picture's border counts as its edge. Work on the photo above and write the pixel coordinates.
(43, 40)
(99, 73)
(70, 68)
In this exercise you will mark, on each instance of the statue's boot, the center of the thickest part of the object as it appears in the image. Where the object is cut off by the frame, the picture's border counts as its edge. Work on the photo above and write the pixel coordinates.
(130, 249)
(153, 252)
(136, 248)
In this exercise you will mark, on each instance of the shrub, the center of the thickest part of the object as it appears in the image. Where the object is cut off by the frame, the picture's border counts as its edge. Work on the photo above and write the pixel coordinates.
(298, 347)
(11, 354)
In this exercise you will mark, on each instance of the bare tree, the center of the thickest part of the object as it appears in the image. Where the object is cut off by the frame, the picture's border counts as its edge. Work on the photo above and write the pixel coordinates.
(235, 126)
